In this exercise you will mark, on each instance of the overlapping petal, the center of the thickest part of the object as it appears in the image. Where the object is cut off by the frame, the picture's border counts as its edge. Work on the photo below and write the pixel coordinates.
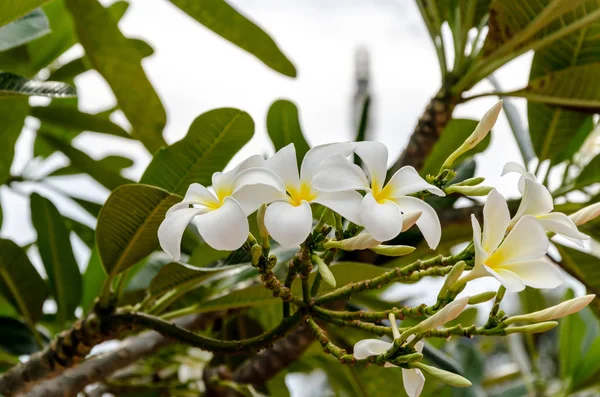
(225, 228)
(318, 154)
(536, 273)
(196, 194)
(382, 220)
(428, 223)
(284, 164)
(536, 200)
(348, 204)
(374, 155)
(408, 181)
(223, 181)
(370, 347)
(171, 229)
(288, 224)
(497, 218)
(527, 240)
(560, 223)
(338, 174)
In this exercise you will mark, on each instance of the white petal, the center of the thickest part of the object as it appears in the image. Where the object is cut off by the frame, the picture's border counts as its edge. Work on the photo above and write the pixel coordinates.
(316, 155)
(446, 314)
(370, 347)
(347, 204)
(496, 218)
(536, 200)
(287, 224)
(225, 228)
(284, 163)
(172, 227)
(338, 174)
(480, 254)
(408, 181)
(375, 156)
(508, 279)
(526, 241)
(559, 223)
(382, 221)
(536, 273)
(414, 381)
(419, 346)
(224, 180)
(257, 186)
(428, 223)
(514, 167)
(196, 194)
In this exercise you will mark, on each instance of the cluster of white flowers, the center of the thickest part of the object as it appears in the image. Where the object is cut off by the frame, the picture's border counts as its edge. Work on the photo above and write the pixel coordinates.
(326, 177)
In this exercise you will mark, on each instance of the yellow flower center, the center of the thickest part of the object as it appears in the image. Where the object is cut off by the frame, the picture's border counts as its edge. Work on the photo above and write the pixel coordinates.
(222, 193)
(381, 195)
(297, 196)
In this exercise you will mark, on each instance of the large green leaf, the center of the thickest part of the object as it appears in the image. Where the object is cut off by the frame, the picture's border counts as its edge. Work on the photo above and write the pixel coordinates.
(12, 115)
(128, 224)
(182, 276)
(71, 118)
(585, 268)
(228, 23)
(14, 9)
(212, 140)
(20, 283)
(590, 173)
(11, 85)
(118, 60)
(57, 255)
(84, 232)
(553, 129)
(100, 172)
(30, 27)
(283, 125)
(455, 133)
(93, 279)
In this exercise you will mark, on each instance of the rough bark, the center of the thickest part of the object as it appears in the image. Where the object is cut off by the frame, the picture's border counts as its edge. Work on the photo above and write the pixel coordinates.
(132, 349)
(436, 116)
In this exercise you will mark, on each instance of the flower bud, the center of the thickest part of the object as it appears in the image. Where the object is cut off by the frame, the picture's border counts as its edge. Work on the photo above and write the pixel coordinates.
(360, 242)
(483, 297)
(561, 310)
(471, 181)
(324, 270)
(483, 128)
(532, 329)
(260, 220)
(469, 190)
(409, 219)
(448, 313)
(256, 252)
(447, 377)
(452, 277)
(392, 250)
(586, 214)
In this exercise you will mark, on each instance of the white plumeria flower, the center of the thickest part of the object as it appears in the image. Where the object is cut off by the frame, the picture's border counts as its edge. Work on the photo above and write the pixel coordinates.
(383, 205)
(289, 219)
(561, 310)
(413, 378)
(221, 216)
(537, 201)
(516, 261)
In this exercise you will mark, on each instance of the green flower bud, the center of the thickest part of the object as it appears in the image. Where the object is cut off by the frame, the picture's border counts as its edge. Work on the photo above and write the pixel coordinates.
(262, 229)
(471, 181)
(447, 377)
(483, 297)
(256, 252)
(561, 310)
(393, 250)
(452, 277)
(324, 270)
(532, 329)
(469, 190)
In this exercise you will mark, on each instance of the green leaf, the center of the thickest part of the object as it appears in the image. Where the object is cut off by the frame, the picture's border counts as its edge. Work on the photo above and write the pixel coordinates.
(584, 267)
(11, 10)
(57, 255)
(283, 125)
(84, 232)
(455, 133)
(590, 173)
(212, 140)
(118, 60)
(69, 70)
(30, 27)
(105, 176)
(12, 115)
(113, 163)
(228, 23)
(11, 85)
(182, 276)
(71, 118)
(128, 224)
(93, 280)
(16, 338)
(204, 254)
(20, 283)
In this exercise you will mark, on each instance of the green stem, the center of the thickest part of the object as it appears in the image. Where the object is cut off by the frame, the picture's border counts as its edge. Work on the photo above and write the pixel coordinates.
(214, 345)
(305, 289)
(400, 313)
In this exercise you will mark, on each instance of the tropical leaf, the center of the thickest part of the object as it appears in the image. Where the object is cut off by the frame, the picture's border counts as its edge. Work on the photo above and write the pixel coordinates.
(30, 27)
(182, 276)
(118, 60)
(105, 176)
(113, 163)
(585, 268)
(72, 118)
(84, 232)
(455, 133)
(20, 283)
(283, 125)
(11, 85)
(69, 70)
(590, 174)
(55, 249)
(212, 140)
(12, 113)
(128, 224)
(228, 23)
(11, 10)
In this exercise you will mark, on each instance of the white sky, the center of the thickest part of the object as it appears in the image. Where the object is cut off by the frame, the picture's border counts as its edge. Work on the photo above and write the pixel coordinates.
(194, 70)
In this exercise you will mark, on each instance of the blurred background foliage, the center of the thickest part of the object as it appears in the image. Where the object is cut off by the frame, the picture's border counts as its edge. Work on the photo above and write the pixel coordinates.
(471, 38)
